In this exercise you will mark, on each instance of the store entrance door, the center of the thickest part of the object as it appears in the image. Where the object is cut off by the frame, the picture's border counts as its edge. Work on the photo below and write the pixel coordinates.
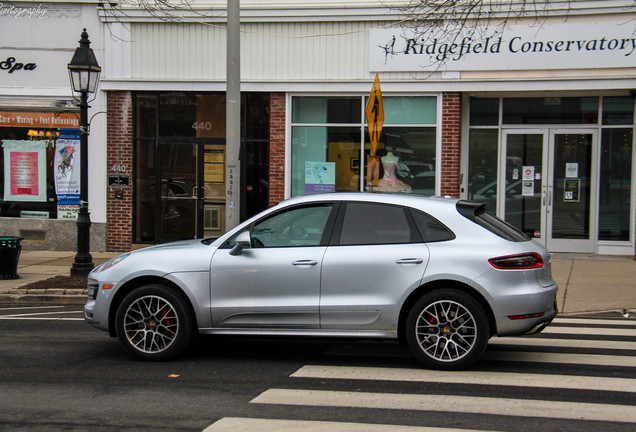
(547, 188)
(180, 200)
(191, 198)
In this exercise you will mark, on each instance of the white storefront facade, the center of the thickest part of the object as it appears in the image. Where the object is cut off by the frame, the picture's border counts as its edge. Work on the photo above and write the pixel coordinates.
(535, 117)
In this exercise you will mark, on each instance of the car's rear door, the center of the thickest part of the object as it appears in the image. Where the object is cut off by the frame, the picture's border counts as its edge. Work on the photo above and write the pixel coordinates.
(376, 254)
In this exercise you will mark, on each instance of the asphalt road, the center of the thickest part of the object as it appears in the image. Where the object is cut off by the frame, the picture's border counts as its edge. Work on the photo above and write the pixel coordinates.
(57, 373)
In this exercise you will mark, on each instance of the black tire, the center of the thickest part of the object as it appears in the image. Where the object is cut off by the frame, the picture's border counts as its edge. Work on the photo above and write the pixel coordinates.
(154, 322)
(447, 329)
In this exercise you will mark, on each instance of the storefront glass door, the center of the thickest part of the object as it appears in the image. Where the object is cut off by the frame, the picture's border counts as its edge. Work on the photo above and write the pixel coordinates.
(180, 197)
(547, 187)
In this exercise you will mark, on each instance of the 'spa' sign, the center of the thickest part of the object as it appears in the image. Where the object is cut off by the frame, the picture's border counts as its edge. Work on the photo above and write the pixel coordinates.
(11, 65)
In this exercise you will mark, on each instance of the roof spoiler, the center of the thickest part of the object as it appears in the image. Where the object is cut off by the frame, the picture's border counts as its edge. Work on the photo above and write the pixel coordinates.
(470, 209)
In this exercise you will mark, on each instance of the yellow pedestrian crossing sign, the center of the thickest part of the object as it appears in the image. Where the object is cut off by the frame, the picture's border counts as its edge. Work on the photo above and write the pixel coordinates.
(375, 114)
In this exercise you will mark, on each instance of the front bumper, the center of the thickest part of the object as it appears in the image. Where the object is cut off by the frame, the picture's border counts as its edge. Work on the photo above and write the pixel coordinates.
(96, 307)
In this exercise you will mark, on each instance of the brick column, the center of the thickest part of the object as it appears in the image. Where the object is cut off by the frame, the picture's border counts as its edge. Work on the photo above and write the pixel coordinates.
(276, 148)
(451, 143)
(119, 161)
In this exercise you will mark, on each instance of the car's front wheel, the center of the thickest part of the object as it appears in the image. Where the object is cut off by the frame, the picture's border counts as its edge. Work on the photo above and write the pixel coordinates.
(447, 329)
(154, 322)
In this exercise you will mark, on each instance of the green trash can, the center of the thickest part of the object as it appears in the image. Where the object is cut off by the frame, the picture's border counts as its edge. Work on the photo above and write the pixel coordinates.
(10, 249)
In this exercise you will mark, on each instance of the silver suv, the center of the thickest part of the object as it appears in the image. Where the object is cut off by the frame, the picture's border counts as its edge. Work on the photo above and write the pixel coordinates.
(440, 274)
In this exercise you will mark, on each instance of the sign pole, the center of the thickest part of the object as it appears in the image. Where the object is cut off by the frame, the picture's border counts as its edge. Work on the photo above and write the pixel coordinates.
(233, 120)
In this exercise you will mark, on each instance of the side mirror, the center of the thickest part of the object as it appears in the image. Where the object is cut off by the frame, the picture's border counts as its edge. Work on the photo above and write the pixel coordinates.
(243, 241)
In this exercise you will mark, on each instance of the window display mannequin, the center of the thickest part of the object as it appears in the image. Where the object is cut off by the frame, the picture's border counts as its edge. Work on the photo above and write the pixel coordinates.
(389, 182)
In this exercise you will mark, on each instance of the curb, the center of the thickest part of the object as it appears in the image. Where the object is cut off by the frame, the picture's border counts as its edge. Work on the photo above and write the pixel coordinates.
(59, 296)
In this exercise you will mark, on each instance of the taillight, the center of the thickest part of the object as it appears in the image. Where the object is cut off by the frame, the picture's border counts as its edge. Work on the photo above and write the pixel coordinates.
(524, 261)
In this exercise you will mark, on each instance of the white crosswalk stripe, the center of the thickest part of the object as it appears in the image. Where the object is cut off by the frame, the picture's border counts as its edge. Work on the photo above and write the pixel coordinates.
(233, 424)
(590, 331)
(459, 404)
(461, 377)
(576, 354)
(530, 343)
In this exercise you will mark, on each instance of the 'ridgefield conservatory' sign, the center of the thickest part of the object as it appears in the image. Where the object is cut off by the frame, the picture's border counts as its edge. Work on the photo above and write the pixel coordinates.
(515, 47)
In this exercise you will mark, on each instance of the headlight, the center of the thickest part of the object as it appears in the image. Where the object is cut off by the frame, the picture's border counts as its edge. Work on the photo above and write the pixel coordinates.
(113, 261)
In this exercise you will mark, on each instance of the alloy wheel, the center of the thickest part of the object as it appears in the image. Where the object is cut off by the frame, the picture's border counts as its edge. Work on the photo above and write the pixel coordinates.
(446, 331)
(151, 324)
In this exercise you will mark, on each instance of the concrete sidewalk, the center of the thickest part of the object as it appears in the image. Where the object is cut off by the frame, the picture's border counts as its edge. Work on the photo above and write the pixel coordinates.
(587, 283)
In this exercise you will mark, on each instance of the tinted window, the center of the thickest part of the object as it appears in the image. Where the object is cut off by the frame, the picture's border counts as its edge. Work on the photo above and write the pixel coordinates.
(618, 110)
(430, 228)
(476, 212)
(484, 112)
(301, 226)
(366, 223)
(550, 110)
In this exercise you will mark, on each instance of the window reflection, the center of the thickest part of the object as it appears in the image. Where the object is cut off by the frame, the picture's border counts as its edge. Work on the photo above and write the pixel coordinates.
(320, 139)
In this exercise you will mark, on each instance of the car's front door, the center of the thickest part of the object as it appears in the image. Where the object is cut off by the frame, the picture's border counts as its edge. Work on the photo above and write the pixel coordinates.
(276, 282)
(378, 256)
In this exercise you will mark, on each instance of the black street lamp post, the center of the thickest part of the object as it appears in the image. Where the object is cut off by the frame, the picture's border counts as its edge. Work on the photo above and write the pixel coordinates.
(84, 73)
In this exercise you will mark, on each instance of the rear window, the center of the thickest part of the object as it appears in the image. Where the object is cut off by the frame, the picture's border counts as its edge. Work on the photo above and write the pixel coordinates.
(476, 212)
(372, 223)
(430, 228)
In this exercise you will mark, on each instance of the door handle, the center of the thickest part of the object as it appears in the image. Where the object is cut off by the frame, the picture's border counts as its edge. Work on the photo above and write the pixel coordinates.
(305, 263)
(410, 261)
(195, 193)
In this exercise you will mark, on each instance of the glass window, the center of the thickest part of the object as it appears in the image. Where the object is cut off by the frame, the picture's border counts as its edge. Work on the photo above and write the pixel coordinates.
(618, 110)
(408, 110)
(209, 116)
(326, 110)
(341, 154)
(484, 111)
(550, 110)
(178, 113)
(302, 226)
(29, 191)
(331, 149)
(482, 167)
(193, 126)
(367, 223)
(256, 121)
(146, 115)
(615, 185)
(430, 228)
(407, 160)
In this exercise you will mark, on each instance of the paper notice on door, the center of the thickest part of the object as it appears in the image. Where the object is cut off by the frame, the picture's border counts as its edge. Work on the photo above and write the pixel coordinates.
(528, 188)
(528, 172)
(571, 170)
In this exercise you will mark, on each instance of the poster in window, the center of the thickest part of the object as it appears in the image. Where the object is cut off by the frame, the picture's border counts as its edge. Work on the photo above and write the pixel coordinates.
(67, 167)
(320, 177)
(24, 170)
(571, 191)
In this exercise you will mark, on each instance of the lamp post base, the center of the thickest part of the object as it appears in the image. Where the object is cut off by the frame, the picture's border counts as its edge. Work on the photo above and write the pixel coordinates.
(83, 263)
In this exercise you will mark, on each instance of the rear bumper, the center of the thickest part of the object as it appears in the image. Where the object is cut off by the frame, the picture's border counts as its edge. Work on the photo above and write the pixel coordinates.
(539, 303)
(538, 327)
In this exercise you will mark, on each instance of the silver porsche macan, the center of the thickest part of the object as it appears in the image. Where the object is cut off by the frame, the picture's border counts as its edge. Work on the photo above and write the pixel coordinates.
(440, 274)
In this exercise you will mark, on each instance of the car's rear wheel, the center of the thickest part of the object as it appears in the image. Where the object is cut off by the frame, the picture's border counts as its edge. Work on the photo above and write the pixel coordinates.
(154, 322)
(447, 329)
